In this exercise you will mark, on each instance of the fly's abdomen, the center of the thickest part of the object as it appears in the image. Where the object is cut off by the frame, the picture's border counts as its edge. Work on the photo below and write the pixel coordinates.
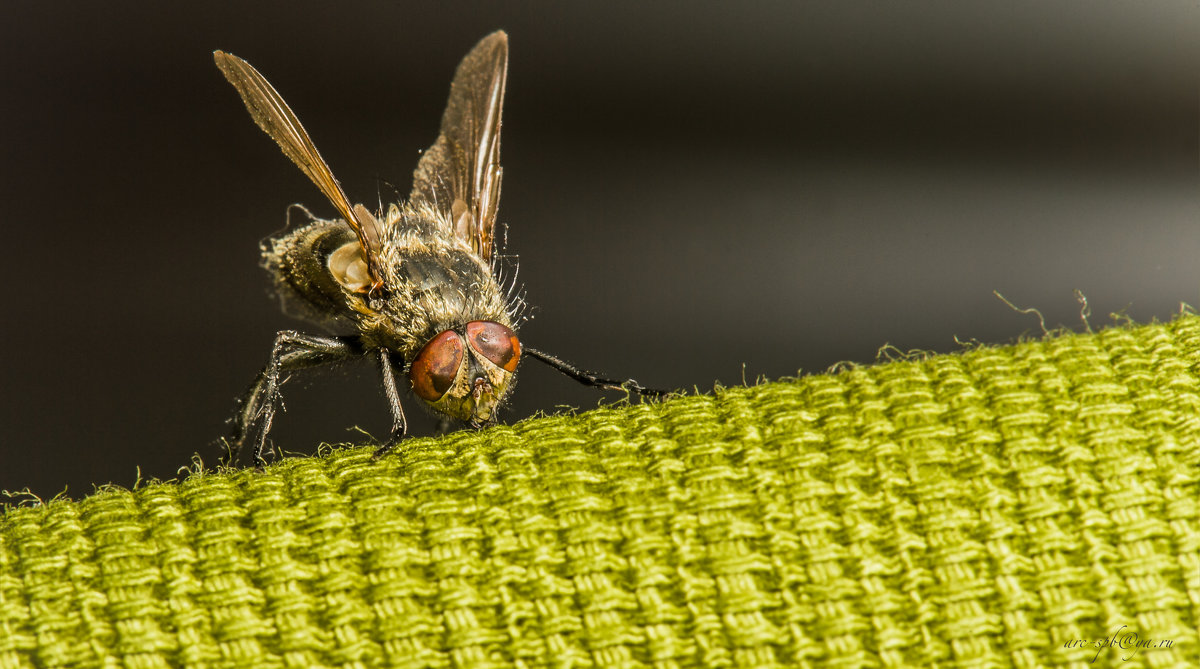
(298, 260)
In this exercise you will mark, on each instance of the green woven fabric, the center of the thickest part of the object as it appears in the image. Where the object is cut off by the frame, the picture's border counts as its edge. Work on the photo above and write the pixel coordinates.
(1002, 506)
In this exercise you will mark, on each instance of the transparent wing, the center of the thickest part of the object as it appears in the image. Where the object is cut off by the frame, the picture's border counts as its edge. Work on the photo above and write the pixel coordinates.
(460, 173)
(276, 119)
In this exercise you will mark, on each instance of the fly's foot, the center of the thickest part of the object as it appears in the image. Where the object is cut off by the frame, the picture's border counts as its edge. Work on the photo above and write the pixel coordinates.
(392, 442)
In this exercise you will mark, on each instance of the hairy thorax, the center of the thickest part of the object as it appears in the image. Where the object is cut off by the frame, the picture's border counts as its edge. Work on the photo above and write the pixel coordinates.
(433, 281)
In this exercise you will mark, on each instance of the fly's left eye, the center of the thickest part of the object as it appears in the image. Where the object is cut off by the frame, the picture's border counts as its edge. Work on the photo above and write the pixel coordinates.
(495, 342)
(436, 366)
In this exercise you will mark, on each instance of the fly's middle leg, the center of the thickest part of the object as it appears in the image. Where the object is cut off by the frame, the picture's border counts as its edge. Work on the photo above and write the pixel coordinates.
(291, 351)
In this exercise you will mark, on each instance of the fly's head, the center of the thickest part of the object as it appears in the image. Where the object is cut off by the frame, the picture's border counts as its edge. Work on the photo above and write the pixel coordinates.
(466, 372)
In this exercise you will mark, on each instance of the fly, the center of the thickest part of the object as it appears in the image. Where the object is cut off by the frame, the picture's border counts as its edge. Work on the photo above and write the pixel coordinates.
(417, 284)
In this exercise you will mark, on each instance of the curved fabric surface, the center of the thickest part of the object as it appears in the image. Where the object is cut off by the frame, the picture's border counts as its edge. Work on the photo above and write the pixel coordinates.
(1008, 506)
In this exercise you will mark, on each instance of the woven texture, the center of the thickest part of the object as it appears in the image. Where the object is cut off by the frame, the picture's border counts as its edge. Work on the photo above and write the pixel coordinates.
(998, 507)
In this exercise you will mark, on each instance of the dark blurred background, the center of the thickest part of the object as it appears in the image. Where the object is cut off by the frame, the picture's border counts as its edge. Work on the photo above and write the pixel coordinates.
(697, 192)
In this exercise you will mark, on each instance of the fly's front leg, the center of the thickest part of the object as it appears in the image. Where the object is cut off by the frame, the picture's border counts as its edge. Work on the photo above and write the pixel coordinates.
(589, 379)
(292, 350)
(399, 424)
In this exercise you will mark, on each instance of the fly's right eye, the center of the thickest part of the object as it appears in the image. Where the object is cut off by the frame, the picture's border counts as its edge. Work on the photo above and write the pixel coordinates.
(433, 371)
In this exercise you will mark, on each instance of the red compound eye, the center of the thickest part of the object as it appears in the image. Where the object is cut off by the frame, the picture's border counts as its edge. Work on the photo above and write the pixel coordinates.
(433, 372)
(495, 342)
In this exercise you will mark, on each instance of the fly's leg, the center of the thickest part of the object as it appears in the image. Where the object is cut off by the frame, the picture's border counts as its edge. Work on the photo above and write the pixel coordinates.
(399, 424)
(589, 379)
(292, 350)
